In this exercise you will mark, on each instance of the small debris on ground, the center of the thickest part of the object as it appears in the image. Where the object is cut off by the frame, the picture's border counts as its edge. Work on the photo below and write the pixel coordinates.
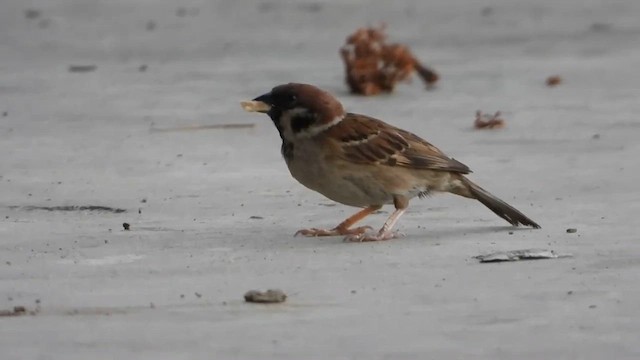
(517, 255)
(554, 80)
(126, 226)
(98, 208)
(373, 66)
(143, 68)
(32, 13)
(572, 230)
(256, 217)
(486, 121)
(82, 68)
(16, 311)
(270, 296)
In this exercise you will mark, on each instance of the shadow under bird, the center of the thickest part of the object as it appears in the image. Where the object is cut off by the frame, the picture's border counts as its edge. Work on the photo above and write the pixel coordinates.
(360, 161)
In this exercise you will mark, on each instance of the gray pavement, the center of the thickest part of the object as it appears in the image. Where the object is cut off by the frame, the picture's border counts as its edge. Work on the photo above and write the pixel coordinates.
(172, 286)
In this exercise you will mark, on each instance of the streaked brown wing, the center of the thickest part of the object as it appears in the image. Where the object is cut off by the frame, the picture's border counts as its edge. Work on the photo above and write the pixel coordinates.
(366, 140)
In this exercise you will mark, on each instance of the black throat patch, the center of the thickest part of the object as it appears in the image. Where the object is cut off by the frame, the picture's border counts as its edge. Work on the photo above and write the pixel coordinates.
(302, 121)
(287, 147)
(275, 115)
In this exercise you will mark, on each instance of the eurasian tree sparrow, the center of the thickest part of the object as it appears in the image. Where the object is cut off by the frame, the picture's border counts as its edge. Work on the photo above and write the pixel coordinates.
(360, 161)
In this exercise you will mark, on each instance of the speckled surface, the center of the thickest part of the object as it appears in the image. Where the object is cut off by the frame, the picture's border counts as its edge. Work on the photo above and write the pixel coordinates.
(172, 287)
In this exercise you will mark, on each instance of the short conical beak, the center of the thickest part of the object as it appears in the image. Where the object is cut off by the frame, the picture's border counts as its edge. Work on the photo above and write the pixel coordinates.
(260, 104)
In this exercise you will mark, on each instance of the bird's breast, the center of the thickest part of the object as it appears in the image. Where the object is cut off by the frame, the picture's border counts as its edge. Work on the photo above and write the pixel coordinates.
(333, 178)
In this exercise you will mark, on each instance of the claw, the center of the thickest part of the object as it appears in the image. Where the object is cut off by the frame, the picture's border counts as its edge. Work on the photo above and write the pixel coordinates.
(315, 232)
(332, 232)
(374, 237)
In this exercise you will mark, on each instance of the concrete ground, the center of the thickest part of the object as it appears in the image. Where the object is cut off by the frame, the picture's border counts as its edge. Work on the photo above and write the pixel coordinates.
(213, 211)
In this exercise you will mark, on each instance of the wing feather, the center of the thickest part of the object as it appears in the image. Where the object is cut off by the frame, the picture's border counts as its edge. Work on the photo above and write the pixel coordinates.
(365, 140)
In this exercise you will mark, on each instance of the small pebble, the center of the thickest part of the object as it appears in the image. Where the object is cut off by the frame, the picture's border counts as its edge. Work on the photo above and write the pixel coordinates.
(553, 81)
(270, 296)
(572, 230)
(82, 68)
(126, 226)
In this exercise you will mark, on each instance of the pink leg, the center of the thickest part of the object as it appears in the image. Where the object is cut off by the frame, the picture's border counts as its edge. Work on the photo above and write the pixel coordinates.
(401, 203)
(385, 232)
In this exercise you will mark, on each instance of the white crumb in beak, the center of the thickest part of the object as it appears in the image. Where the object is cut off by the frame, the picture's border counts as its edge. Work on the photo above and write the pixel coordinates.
(255, 106)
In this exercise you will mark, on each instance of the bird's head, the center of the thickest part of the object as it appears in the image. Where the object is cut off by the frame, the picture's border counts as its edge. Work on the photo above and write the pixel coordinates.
(298, 110)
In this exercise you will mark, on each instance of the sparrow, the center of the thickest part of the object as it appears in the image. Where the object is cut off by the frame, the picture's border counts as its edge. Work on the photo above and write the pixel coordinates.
(360, 161)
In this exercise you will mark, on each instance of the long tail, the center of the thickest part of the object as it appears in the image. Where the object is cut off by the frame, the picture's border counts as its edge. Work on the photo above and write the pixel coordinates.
(499, 207)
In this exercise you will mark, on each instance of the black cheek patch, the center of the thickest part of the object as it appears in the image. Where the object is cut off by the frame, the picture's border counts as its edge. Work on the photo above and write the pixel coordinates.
(302, 122)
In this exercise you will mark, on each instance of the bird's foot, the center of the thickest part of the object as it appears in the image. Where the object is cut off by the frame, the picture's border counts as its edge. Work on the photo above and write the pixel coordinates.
(380, 236)
(333, 232)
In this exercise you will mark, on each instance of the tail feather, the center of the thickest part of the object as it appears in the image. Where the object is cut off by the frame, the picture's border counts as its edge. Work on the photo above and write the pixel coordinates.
(499, 207)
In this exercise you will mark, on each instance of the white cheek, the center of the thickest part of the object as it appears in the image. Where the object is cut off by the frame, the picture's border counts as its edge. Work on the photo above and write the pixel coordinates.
(315, 130)
(285, 122)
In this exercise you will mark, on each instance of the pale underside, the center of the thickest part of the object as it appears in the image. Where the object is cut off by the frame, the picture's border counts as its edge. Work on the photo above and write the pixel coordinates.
(362, 184)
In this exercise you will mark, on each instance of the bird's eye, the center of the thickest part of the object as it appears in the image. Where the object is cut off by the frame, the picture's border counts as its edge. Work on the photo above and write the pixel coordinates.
(292, 98)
